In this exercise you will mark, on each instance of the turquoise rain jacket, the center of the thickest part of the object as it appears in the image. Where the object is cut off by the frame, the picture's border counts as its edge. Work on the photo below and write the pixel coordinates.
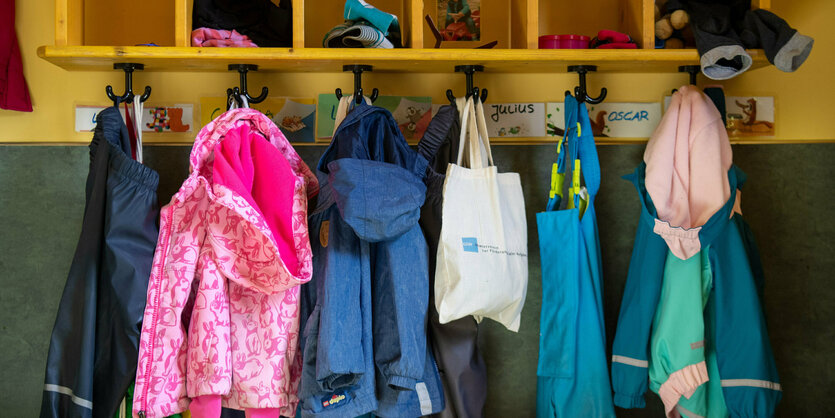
(734, 321)
(572, 378)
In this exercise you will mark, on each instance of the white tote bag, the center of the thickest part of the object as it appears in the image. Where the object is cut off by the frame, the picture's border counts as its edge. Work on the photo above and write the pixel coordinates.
(482, 267)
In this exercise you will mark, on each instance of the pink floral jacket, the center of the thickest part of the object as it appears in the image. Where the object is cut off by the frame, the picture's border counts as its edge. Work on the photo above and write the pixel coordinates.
(222, 314)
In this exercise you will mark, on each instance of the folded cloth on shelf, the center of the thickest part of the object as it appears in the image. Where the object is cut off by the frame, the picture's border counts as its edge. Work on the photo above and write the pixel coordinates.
(609, 39)
(359, 9)
(356, 34)
(386, 22)
(617, 45)
(220, 38)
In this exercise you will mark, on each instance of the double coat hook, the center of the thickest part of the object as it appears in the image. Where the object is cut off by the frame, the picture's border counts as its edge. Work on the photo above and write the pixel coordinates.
(128, 96)
(241, 92)
(358, 70)
(693, 70)
(468, 70)
(580, 92)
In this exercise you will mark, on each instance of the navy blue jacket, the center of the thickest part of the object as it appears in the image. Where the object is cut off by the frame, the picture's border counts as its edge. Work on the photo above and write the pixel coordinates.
(364, 311)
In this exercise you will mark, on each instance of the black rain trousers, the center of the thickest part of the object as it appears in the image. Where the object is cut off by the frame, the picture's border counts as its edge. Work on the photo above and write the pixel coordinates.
(94, 346)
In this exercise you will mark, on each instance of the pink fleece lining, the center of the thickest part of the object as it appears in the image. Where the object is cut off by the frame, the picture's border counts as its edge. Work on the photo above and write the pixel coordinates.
(205, 406)
(683, 382)
(254, 169)
(688, 158)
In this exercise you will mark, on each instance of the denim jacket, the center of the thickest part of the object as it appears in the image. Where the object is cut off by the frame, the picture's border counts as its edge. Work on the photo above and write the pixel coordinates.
(364, 311)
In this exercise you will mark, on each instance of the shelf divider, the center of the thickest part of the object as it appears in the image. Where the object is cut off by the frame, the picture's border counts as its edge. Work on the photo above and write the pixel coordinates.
(69, 19)
(182, 22)
(298, 24)
(532, 24)
(415, 17)
(647, 25)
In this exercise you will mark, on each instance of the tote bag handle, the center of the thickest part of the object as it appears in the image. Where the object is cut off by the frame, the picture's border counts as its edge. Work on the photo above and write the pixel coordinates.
(466, 131)
(474, 135)
(482, 129)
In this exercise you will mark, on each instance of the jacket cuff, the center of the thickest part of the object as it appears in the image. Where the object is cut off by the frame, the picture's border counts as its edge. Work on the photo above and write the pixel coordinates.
(793, 53)
(725, 61)
(629, 401)
(262, 412)
(682, 382)
(337, 381)
(205, 406)
(401, 382)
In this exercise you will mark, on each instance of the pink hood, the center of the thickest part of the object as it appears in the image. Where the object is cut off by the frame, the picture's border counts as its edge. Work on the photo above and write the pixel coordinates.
(232, 250)
(687, 158)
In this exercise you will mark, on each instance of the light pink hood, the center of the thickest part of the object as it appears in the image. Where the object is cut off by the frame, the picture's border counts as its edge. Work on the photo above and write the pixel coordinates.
(222, 314)
(687, 158)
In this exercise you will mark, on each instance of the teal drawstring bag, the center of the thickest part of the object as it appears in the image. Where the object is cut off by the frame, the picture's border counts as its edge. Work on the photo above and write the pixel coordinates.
(572, 373)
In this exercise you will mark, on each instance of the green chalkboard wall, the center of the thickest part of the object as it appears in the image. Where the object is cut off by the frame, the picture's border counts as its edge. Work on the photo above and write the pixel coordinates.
(788, 202)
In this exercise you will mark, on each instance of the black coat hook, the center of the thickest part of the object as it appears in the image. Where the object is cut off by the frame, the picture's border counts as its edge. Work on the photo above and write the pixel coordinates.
(580, 92)
(693, 70)
(241, 92)
(468, 70)
(128, 96)
(358, 70)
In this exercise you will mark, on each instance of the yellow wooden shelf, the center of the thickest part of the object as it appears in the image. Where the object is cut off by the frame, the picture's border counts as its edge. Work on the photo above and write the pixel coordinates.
(99, 58)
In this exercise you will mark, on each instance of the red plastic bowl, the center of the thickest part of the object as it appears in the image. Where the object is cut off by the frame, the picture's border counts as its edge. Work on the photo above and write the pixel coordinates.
(564, 42)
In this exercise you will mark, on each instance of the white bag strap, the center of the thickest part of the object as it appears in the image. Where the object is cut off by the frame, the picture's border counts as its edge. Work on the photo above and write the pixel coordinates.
(466, 139)
(482, 130)
(231, 102)
(473, 146)
(346, 103)
(138, 107)
(341, 111)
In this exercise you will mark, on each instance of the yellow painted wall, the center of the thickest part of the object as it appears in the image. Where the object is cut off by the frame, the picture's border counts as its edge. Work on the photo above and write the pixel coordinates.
(802, 99)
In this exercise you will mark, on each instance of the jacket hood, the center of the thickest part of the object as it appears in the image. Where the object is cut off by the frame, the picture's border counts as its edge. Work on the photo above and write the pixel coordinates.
(687, 160)
(215, 131)
(258, 187)
(378, 200)
(370, 133)
(376, 178)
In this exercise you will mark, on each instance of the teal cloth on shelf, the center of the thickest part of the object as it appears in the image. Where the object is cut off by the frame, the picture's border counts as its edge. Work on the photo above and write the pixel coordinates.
(359, 9)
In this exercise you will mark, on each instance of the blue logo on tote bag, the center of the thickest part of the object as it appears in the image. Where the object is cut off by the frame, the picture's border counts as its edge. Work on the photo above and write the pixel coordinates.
(470, 244)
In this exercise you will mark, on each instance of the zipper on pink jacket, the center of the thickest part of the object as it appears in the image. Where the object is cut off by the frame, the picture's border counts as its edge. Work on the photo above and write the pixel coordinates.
(164, 255)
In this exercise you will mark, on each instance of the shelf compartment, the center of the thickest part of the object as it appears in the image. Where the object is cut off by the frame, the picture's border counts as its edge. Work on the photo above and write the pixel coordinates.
(323, 15)
(497, 20)
(561, 17)
(102, 58)
(183, 11)
(99, 22)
